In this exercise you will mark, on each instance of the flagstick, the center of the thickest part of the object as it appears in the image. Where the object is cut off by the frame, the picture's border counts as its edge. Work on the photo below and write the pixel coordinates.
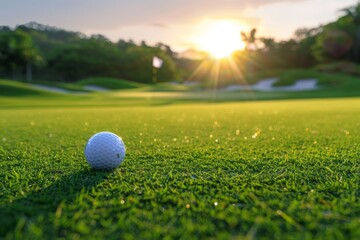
(154, 75)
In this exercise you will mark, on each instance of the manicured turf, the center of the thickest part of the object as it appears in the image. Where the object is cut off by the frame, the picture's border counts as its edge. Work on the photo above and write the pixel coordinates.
(70, 87)
(9, 88)
(325, 79)
(263, 170)
(18, 94)
(110, 83)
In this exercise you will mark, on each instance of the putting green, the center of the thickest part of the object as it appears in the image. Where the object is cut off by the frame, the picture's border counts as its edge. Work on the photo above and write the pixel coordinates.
(276, 169)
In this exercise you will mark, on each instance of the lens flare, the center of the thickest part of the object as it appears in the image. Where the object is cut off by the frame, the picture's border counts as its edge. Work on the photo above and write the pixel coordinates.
(220, 38)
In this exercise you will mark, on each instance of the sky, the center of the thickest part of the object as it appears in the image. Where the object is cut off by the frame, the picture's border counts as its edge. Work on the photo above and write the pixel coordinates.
(182, 24)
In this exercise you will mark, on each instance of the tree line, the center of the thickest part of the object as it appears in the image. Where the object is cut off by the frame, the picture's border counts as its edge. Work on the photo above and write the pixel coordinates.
(38, 51)
(335, 41)
(42, 52)
(332, 47)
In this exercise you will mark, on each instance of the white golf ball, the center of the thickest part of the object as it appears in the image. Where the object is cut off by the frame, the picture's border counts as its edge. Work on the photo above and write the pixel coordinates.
(105, 150)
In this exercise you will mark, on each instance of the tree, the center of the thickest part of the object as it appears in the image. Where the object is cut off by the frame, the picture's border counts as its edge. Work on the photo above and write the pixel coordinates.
(18, 52)
(166, 48)
(122, 44)
(84, 58)
(306, 42)
(250, 39)
(353, 13)
(269, 44)
(137, 65)
(334, 42)
(340, 40)
(305, 33)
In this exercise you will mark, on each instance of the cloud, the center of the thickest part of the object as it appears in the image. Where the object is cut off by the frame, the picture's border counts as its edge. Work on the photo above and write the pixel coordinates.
(158, 25)
(109, 14)
(170, 21)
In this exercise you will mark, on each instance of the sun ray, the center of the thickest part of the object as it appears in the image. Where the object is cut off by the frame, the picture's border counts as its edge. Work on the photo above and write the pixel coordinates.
(236, 70)
(198, 71)
(215, 70)
(241, 77)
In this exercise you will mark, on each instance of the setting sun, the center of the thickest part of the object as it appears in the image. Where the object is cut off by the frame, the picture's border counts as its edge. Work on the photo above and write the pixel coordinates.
(221, 38)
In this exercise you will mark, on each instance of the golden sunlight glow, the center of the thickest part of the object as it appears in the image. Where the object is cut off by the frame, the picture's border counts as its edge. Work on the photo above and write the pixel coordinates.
(220, 38)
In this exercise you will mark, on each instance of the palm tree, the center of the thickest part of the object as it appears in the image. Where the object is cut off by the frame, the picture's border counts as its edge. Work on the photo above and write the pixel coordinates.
(250, 44)
(249, 40)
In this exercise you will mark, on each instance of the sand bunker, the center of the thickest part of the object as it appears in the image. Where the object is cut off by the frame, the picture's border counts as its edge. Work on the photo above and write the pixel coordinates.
(266, 85)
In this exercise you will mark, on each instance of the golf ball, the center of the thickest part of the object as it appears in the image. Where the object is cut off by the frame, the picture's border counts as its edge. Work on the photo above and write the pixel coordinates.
(105, 150)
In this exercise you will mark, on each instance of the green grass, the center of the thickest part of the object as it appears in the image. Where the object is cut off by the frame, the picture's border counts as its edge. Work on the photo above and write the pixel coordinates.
(289, 77)
(20, 95)
(109, 83)
(325, 79)
(66, 86)
(17, 89)
(261, 75)
(344, 67)
(263, 170)
(9, 88)
(167, 87)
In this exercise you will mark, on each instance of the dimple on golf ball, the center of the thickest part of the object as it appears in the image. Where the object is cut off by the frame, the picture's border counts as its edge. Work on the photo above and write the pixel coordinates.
(105, 150)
